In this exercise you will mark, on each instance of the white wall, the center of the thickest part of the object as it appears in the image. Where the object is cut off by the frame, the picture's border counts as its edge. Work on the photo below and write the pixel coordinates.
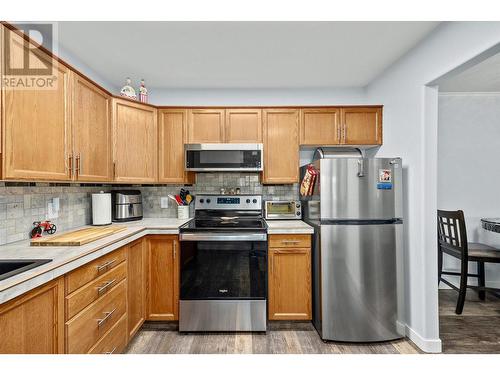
(246, 97)
(76, 63)
(468, 169)
(410, 131)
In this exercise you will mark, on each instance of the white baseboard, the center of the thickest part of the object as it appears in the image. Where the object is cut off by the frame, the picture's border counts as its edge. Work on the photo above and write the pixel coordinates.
(427, 345)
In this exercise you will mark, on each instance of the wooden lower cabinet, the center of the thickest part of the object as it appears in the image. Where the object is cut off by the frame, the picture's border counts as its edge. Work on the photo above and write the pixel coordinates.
(137, 262)
(91, 324)
(34, 322)
(96, 302)
(163, 277)
(114, 341)
(289, 284)
(98, 307)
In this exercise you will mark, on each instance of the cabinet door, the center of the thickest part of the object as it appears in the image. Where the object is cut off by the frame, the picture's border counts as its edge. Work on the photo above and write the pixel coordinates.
(289, 284)
(320, 126)
(163, 278)
(34, 322)
(281, 146)
(37, 133)
(243, 126)
(135, 142)
(136, 261)
(362, 125)
(206, 126)
(172, 126)
(91, 131)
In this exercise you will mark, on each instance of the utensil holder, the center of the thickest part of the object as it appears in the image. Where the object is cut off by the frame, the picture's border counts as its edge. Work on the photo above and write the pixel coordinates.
(182, 212)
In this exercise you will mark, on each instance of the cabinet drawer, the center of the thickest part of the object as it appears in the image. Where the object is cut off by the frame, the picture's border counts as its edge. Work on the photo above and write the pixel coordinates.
(90, 292)
(114, 341)
(289, 240)
(93, 270)
(86, 328)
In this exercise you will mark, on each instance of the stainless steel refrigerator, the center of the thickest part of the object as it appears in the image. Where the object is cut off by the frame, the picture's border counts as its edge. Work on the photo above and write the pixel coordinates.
(356, 211)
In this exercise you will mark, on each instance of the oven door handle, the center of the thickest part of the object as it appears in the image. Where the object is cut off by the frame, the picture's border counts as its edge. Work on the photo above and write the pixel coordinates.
(223, 236)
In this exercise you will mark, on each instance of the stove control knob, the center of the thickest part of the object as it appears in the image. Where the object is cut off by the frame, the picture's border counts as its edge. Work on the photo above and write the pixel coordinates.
(254, 201)
(248, 200)
(202, 200)
(297, 213)
(208, 200)
(297, 205)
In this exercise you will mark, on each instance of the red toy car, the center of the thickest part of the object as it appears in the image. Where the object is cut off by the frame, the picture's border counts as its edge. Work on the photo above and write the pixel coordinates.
(42, 226)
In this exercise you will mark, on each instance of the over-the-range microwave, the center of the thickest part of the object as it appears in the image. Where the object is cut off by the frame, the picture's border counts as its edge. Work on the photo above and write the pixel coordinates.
(224, 157)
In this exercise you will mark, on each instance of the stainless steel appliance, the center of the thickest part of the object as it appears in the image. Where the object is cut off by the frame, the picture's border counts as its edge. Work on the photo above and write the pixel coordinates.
(356, 211)
(283, 210)
(224, 265)
(126, 205)
(229, 157)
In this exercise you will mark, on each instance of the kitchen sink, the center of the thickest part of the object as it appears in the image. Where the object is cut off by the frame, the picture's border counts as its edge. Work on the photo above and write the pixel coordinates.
(11, 267)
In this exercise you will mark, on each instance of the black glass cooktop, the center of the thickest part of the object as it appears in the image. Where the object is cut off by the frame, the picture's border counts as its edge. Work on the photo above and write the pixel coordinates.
(232, 223)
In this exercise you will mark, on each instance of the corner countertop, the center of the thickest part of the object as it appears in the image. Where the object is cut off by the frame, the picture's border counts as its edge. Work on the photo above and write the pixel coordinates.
(68, 258)
(288, 227)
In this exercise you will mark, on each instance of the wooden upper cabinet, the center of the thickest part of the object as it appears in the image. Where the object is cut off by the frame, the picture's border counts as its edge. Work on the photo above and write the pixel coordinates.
(36, 120)
(205, 126)
(281, 146)
(34, 322)
(362, 125)
(243, 125)
(91, 126)
(172, 134)
(320, 126)
(163, 278)
(135, 139)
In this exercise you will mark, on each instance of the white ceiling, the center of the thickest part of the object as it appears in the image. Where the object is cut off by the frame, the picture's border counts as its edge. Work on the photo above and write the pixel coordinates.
(241, 54)
(482, 77)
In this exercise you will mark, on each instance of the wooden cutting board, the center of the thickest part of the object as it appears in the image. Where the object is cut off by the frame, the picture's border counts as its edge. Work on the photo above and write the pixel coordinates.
(77, 237)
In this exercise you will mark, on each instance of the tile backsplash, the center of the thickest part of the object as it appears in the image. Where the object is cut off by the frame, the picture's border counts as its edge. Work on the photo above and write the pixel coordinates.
(23, 203)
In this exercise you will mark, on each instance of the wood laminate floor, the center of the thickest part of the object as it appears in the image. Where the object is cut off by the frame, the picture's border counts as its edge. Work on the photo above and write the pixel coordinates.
(476, 330)
(281, 338)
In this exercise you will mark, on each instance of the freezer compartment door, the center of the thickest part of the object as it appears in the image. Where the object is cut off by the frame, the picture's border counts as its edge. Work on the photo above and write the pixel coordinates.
(359, 277)
(368, 188)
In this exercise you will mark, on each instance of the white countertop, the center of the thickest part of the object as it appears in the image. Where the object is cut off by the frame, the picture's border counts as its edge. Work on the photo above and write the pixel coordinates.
(288, 227)
(68, 258)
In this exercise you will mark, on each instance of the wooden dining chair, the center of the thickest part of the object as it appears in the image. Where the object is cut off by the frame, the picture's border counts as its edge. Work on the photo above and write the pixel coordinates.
(452, 240)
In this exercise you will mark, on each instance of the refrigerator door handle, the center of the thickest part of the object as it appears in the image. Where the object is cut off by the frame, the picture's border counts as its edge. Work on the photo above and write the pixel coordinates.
(361, 168)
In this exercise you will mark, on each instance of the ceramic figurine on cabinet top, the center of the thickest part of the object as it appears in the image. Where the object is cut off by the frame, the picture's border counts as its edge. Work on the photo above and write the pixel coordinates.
(143, 92)
(128, 91)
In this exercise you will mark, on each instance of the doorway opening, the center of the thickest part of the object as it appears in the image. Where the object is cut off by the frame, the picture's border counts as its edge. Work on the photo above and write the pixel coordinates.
(468, 179)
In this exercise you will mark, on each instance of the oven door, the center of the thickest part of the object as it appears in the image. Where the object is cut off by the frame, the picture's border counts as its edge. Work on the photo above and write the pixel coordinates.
(223, 270)
(223, 157)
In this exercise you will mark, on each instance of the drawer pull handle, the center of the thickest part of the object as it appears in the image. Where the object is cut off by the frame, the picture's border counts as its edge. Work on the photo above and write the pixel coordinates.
(111, 352)
(104, 287)
(107, 315)
(290, 241)
(105, 266)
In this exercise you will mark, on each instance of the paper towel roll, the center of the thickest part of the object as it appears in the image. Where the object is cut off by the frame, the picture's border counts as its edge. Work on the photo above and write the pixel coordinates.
(101, 208)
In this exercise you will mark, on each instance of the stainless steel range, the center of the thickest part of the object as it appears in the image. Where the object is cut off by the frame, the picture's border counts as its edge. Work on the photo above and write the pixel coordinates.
(224, 265)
